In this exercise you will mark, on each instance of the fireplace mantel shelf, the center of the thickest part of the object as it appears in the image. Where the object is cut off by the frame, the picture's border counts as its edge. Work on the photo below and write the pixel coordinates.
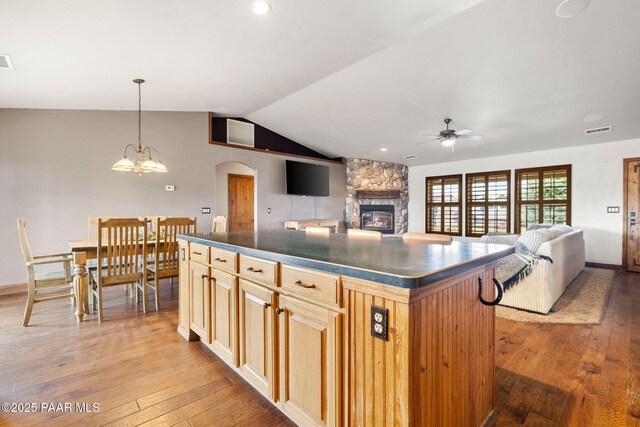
(378, 194)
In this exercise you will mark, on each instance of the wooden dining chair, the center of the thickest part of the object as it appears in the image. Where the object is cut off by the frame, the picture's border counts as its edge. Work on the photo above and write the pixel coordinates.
(219, 224)
(122, 245)
(426, 237)
(165, 253)
(356, 232)
(44, 286)
(323, 231)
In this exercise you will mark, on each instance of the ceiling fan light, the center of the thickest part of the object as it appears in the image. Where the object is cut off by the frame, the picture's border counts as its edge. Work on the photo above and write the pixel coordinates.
(448, 142)
(124, 165)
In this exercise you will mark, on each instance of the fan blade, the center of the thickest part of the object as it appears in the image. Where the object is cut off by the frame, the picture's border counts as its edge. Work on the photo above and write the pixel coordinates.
(463, 131)
(430, 134)
(428, 140)
(470, 137)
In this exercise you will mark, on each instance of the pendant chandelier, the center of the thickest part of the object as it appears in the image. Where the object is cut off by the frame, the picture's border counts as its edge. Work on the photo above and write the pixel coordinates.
(143, 162)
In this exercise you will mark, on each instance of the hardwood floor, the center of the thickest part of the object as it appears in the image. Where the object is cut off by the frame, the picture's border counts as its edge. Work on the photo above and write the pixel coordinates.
(140, 371)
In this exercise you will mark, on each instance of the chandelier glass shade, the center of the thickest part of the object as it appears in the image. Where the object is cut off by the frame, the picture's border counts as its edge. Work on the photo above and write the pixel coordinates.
(141, 160)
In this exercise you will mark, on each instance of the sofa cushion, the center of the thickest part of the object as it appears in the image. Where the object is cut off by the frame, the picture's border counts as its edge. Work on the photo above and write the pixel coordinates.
(564, 229)
(501, 239)
(532, 239)
(550, 234)
(538, 226)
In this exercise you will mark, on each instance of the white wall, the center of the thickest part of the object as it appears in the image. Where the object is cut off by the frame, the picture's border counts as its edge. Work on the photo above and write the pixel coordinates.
(55, 171)
(597, 182)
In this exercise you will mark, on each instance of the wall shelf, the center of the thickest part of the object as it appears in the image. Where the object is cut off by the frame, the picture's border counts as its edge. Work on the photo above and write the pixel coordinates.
(378, 194)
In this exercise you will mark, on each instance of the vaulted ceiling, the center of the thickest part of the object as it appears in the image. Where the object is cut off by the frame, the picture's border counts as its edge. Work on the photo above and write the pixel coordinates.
(342, 77)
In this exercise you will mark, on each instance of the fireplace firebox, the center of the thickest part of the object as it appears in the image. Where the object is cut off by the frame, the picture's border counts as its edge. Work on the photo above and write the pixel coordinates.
(378, 218)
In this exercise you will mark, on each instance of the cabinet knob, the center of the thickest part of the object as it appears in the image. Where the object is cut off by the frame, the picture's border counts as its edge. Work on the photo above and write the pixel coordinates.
(279, 310)
(204, 276)
(266, 305)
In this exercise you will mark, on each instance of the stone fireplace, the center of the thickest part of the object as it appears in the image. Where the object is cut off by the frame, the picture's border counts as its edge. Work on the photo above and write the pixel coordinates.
(383, 185)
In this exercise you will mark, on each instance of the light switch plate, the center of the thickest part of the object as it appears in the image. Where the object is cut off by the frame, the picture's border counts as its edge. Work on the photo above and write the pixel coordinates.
(170, 188)
(613, 209)
(206, 211)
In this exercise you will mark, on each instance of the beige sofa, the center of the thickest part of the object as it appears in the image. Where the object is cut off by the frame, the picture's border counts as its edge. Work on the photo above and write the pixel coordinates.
(546, 283)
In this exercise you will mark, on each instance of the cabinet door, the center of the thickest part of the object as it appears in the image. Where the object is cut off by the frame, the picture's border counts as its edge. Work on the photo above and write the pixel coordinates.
(309, 362)
(224, 329)
(199, 312)
(184, 296)
(256, 334)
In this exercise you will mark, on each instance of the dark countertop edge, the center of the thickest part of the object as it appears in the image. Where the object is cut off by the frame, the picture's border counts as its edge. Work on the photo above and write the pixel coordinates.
(407, 282)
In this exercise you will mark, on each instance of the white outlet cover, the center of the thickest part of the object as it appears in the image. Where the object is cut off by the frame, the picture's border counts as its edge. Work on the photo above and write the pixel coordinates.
(170, 187)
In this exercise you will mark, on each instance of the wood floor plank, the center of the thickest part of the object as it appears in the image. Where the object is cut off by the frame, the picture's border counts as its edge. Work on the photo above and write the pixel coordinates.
(141, 371)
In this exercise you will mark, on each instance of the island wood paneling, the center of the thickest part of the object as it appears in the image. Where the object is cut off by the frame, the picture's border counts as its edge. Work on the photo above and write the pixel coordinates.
(436, 367)
(452, 354)
(376, 371)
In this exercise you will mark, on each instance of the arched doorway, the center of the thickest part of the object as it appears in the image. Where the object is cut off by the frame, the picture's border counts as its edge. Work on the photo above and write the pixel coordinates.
(236, 195)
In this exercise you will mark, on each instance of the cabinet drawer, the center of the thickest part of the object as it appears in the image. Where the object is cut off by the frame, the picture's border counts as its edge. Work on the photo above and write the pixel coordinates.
(199, 253)
(315, 284)
(258, 269)
(224, 260)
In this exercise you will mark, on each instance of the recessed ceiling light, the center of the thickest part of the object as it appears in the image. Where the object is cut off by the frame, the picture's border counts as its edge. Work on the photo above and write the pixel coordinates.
(384, 149)
(592, 118)
(571, 8)
(260, 7)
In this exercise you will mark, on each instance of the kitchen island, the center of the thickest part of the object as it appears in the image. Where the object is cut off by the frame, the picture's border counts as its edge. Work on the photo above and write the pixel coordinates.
(338, 330)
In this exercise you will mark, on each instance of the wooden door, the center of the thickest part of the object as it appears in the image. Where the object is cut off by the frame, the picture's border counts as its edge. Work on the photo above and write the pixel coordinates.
(309, 363)
(631, 238)
(256, 335)
(224, 329)
(199, 311)
(241, 203)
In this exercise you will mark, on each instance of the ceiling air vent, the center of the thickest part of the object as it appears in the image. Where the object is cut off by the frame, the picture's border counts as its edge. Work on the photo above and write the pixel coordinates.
(410, 156)
(5, 62)
(598, 130)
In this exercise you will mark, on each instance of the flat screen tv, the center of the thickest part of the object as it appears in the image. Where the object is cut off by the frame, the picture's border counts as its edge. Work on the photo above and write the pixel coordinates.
(306, 179)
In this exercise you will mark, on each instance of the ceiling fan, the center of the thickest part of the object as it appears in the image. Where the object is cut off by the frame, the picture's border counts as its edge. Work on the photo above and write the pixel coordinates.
(448, 137)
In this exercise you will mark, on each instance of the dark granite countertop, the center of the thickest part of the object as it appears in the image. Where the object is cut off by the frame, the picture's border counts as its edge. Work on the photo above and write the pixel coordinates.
(389, 260)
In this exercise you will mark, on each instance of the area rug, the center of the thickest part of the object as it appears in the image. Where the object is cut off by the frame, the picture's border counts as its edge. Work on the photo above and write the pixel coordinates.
(582, 303)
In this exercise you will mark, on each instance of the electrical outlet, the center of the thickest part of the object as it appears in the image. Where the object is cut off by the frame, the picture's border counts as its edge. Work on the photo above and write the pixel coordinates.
(613, 209)
(206, 211)
(170, 188)
(380, 322)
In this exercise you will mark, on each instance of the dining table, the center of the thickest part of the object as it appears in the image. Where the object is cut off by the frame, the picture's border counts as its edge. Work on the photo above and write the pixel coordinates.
(84, 250)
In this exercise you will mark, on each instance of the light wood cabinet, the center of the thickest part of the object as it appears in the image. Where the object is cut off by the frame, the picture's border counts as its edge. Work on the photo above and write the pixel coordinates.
(259, 270)
(309, 362)
(200, 306)
(224, 303)
(257, 336)
(184, 323)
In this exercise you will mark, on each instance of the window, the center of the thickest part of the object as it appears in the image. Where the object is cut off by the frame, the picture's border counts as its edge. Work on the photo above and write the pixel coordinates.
(444, 205)
(488, 203)
(543, 195)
